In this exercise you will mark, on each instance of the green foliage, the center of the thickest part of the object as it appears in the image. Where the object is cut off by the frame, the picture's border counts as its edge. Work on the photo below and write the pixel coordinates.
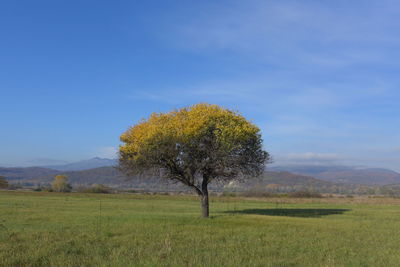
(43, 188)
(98, 188)
(15, 186)
(194, 146)
(54, 229)
(3, 182)
(204, 140)
(60, 184)
(305, 194)
(254, 192)
(95, 188)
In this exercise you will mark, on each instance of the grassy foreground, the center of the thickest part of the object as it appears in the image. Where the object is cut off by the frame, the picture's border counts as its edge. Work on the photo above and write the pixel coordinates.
(41, 229)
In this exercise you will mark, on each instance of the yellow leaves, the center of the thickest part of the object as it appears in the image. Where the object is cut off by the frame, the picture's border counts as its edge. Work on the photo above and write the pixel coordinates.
(186, 124)
(60, 178)
(60, 184)
(199, 141)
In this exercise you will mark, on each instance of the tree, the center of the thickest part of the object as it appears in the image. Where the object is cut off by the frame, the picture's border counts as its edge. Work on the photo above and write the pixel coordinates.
(194, 146)
(60, 184)
(3, 182)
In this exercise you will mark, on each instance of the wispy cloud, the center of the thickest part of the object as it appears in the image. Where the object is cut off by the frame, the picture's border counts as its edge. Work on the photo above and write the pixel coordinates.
(308, 158)
(318, 75)
(307, 32)
(109, 152)
(313, 156)
(45, 161)
(331, 159)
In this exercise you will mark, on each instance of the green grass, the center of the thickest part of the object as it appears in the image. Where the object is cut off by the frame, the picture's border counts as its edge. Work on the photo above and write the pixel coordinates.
(42, 229)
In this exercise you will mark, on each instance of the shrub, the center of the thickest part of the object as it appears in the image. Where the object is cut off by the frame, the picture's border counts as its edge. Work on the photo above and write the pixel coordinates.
(258, 193)
(3, 182)
(14, 186)
(228, 194)
(47, 189)
(98, 188)
(305, 194)
(132, 191)
(60, 184)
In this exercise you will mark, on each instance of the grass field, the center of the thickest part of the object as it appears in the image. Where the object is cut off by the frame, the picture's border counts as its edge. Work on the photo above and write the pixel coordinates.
(42, 229)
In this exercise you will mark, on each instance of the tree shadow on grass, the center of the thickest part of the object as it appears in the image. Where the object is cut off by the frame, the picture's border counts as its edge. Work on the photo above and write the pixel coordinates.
(307, 213)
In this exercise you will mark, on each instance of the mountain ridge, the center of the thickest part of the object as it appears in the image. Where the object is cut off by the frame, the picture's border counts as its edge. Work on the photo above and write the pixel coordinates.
(92, 163)
(101, 170)
(112, 176)
(344, 174)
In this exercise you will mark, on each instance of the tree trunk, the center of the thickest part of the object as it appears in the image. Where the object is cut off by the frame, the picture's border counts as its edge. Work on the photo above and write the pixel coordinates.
(204, 205)
(204, 199)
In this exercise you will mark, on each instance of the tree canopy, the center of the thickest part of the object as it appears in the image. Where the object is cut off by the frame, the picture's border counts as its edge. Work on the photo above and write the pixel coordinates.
(60, 184)
(195, 146)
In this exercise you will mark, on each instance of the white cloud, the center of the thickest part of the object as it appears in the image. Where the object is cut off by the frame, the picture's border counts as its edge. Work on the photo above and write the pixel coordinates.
(45, 161)
(316, 75)
(312, 156)
(109, 152)
(305, 32)
(367, 160)
(309, 158)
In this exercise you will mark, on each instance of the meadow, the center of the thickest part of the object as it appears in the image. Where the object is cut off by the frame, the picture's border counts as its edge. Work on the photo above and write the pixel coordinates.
(58, 229)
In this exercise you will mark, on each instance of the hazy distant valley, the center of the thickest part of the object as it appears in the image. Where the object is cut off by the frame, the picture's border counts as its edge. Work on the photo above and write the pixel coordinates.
(323, 179)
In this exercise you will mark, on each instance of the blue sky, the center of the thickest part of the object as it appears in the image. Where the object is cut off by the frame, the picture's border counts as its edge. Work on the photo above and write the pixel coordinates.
(320, 78)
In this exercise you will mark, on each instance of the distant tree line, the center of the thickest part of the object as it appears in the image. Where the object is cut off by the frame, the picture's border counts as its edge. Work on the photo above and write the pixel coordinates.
(3, 182)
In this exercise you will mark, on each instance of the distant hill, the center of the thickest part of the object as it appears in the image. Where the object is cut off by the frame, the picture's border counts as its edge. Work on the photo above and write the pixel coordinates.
(39, 175)
(344, 174)
(84, 164)
(23, 174)
(111, 176)
(289, 179)
(272, 180)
